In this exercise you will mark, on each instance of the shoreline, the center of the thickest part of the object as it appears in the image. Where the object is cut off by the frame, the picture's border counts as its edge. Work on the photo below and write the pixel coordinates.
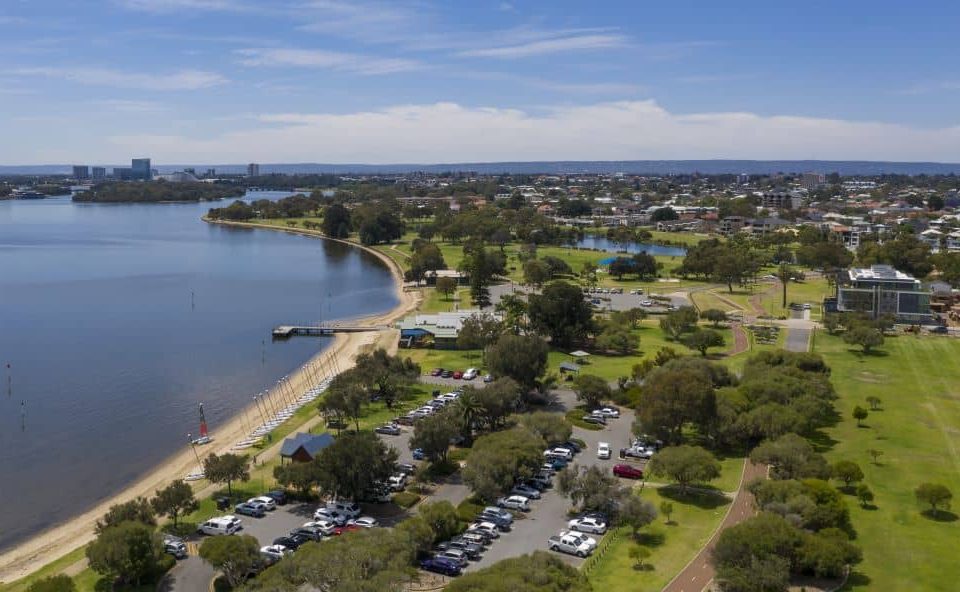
(51, 544)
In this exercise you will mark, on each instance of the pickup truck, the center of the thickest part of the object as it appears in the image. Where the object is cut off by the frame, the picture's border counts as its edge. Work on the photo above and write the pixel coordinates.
(570, 543)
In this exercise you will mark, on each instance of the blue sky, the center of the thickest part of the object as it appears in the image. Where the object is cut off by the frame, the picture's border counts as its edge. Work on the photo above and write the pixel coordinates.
(338, 81)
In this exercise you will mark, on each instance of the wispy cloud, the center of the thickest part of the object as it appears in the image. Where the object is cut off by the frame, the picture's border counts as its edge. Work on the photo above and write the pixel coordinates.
(161, 6)
(173, 81)
(129, 106)
(329, 60)
(549, 46)
(507, 7)
(930, 87)
(713, 78)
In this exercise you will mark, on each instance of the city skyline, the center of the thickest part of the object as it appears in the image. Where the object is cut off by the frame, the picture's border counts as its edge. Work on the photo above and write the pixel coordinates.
(337, 82)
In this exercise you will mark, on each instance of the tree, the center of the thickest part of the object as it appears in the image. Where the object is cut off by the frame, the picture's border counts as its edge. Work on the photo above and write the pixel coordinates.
(499, 399)
(636, 512)
(128, 552)
(481, 266)
(535, 273)
(427, 258)
(136, 510)
(874, 454)
(57, 583)
(616, 338)
(714, 315)
(561, 312)
(755, 555)
(520, 357)
(354, 464)
(666, 508)
(302, 476)
(860, 414)
(874, 402)
(590, 488)
(791, 457)
(446, 286)
(478, 331)
(935, 495)
(678, 322)
(442, 518)
(664, 214)
(552, 427)
(387, 375)
(847, 472)
(345, 398)
(702, 339)
(498, 459)
(466, 409)
(226, 469)
(336, 221)
(673, 396)
(174, 500)
(864, 495)
(864, 336)
(433, 434)
(685, 465)
(592, 390)
(639, 554)
(235, 556)
(540, 571)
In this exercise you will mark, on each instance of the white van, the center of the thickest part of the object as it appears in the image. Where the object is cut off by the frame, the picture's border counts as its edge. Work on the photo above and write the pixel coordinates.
(221, 525)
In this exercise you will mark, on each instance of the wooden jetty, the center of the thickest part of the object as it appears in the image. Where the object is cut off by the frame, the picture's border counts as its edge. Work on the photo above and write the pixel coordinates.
(287, 331)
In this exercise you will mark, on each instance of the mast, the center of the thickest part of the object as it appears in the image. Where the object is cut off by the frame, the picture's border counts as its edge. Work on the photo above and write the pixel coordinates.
(203, 423)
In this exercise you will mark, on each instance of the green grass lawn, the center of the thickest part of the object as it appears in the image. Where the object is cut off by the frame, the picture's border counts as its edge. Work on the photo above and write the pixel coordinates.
(51, 569)
(672, 545)
(918, 430)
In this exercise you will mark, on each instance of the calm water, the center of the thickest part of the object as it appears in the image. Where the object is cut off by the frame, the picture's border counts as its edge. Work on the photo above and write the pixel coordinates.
(109, 355)
(601, 243)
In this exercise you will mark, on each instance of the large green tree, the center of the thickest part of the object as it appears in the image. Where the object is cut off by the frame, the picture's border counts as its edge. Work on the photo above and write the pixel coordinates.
(234, 556)
(354, 464)
(520, 357)
(226, 468)
(498, 459)
(673, 396)
(685, 465)
(561, 312)
(433, 434)
(128, 552)
(174, 500)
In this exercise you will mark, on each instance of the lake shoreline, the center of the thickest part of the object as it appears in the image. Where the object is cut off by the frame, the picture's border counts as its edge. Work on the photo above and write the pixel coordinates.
(51, 544)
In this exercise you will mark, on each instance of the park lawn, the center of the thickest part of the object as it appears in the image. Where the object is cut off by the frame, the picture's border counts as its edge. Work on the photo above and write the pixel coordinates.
(51, 569)
(680, 238)
(447, 359)
(434, 301)
(707, 299)
(918, 431)
(693, 522)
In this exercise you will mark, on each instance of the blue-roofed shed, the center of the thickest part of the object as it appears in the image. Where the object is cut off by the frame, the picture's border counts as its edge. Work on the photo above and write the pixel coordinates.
(304, 447)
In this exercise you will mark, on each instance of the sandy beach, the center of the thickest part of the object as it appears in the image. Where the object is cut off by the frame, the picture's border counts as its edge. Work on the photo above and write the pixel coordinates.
(56, 542)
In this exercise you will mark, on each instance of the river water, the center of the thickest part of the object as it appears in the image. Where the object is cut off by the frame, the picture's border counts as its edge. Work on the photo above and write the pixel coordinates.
(117, 320)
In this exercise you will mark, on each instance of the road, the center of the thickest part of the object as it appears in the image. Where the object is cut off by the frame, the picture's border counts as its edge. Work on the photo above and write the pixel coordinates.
(608, 302)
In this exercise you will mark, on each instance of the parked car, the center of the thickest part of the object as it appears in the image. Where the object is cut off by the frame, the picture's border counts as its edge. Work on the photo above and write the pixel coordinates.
(221, 525)
(314, 533)
(279, 496)
(418, 454)
(266, 500)
(603, 450)
(609, 412)
(535, 483)
(483, 527)
(646, 303)
(474, 538)
(274, 553)
(248, 509)
(436, 372)
(497, 520)
(488, 377)
(446, 374)
(541, 480)
(594, 419)
(498, 511)
(628, 471)
(345, 529)
(569, 543)
(325, 527)
(347, 508)
(331, 515)
(397, 482)
(364, 522)
(472, 550)
(455, 555)
(515, 502)
(442, 566)
(525, 491)
(389, 429)
(291, 542)
(587, 524)
(457, 375)
(174, 546)
(406, 468)
(574, 446)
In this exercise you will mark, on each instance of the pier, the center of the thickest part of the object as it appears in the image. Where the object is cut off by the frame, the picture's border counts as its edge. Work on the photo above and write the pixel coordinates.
(287, 331)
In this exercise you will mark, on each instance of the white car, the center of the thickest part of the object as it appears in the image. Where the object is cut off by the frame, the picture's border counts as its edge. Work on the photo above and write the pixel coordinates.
(590, 541)
(348, 509)
(365, 522)
(269, 502)
(646, 303)
(470, 374)
(603, 450)
(331, 516)
(222, 525)
(588, 524)
(514, 502)
(274, 553)
(610, 412)
(397, 482)
(488, 528)
(325, 527)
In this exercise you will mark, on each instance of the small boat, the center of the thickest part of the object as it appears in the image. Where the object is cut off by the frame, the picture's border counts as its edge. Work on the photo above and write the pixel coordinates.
(205, 437)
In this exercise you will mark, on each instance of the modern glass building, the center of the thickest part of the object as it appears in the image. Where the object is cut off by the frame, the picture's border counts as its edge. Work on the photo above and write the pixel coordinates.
(141, 169)
(882, 290)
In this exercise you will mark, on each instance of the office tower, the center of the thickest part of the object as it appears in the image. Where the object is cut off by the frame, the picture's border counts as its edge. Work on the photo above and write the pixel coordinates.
(253, 170)
(81, 172)
(99, 173)
(141, 168)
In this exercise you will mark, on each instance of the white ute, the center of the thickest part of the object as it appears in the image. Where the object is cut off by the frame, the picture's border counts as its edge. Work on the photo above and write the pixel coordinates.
(570, 543)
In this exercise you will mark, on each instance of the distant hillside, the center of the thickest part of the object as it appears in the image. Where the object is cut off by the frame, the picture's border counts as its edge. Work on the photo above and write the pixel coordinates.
(638, 167)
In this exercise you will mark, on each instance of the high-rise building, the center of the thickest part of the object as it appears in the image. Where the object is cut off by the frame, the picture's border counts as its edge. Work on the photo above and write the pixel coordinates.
(813, 180)
(99, 173)
(123, 174)
(211, 173)
(141, 169)
(253, 170)
(81, 172)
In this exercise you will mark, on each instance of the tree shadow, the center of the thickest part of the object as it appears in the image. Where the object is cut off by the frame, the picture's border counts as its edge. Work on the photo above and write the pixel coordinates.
(869, 507)
(821, 441)
(874, 353)
(644, 567)
(650, 539)
(858, 579)
(704, 499)
(940, 515)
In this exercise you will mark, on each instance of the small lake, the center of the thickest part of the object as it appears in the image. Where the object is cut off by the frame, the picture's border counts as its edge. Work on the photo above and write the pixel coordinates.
(601, 243)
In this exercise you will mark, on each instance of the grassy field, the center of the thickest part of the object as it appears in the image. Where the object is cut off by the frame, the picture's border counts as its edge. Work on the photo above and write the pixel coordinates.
(672, 545)
(918, 431)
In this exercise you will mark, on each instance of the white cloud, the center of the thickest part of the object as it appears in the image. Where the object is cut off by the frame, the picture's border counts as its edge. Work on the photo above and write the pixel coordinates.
(159, 6)
(931, 87)
(330, 60)
(173, 81)
(128, 106)
(549, 46)
(446, 132)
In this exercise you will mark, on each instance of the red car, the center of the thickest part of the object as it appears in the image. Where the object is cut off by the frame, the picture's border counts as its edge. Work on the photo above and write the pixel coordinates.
(458, 375)
(343, 529)
(628, 471)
